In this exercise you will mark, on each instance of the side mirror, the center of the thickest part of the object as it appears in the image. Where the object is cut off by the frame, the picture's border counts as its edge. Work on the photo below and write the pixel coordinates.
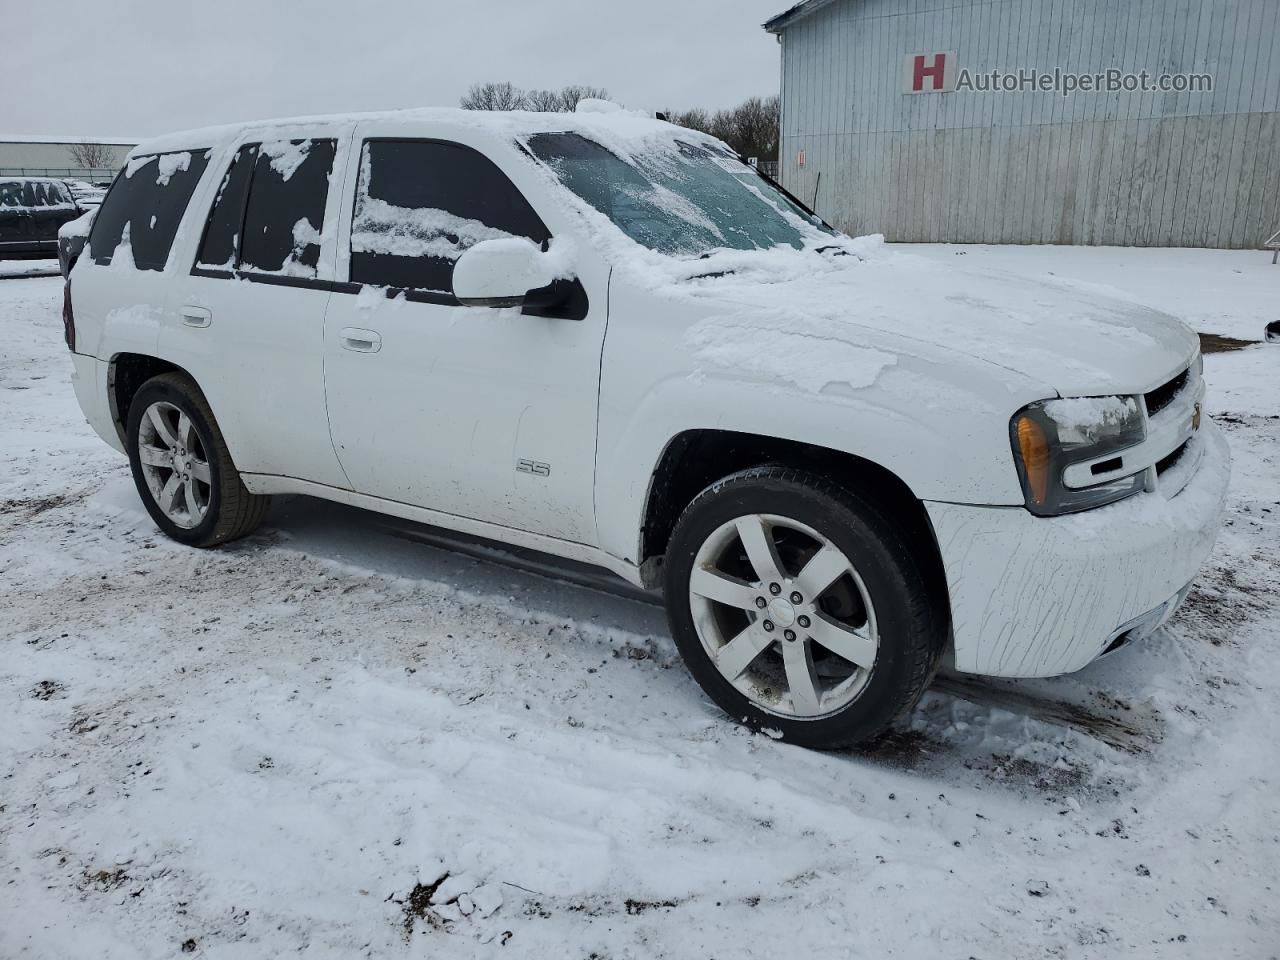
(509, 272)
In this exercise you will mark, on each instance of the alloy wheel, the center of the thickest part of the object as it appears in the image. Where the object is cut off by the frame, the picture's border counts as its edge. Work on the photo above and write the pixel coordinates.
(174, 464)
(784, 616)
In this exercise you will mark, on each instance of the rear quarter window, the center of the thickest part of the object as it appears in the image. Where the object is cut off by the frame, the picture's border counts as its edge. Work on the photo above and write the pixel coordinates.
(140, 216)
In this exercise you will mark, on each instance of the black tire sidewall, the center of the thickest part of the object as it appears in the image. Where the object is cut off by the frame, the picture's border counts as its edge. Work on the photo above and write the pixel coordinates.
(163, 389)
(881, 558)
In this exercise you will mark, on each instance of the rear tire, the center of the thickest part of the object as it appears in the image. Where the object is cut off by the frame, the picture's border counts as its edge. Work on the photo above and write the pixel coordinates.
(799, 608)
(182, 468)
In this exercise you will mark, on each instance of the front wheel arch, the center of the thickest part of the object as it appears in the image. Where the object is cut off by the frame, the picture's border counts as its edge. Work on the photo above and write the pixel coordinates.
(695, 459)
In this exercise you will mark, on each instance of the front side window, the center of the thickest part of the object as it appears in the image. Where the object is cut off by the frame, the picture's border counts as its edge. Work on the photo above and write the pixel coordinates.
(421, 203)
(679, 198)
(285, 209)
(140, 215)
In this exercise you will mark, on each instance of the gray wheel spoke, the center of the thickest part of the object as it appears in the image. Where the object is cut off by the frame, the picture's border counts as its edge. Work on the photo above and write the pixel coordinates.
(200, 470)
(168, 499)
(845, 642)
(155, 456)
(802, 679)
(184, 431)
(189, 494)
(761, 550)
(740, 652)
(163, 431)
(723, 588)
(826, 567)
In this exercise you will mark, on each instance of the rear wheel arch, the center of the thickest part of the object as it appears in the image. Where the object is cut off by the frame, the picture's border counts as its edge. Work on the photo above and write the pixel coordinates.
(695, 459)
(126, 373)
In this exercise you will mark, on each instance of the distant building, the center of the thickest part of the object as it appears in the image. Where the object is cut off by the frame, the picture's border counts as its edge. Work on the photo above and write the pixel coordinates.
(889, 119)
(51, 156)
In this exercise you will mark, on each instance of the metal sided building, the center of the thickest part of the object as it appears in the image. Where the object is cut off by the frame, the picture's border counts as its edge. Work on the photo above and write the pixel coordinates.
(890, 122)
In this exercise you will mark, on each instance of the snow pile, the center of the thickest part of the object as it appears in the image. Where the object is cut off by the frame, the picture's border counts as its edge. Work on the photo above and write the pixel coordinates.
(596, 105)
(286, 156)
(169, 164)
(1089, 415)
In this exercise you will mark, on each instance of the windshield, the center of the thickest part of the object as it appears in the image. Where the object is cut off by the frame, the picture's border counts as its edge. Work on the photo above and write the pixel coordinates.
(685, 200)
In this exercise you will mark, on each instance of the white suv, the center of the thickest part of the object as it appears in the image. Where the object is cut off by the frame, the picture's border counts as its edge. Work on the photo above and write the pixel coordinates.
(604, 337)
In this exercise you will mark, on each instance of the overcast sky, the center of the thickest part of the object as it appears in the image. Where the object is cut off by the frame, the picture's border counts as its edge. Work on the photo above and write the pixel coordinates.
(133, 68)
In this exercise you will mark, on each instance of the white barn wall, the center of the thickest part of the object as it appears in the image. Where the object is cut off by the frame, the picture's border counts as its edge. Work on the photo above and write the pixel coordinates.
(1149, 169)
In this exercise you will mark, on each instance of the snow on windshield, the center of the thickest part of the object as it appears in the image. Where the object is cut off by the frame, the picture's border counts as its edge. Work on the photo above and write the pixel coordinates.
(681, 198)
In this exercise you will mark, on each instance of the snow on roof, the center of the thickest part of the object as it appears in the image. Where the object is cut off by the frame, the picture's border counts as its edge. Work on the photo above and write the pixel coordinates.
(604, 127)
(106, 141)
(798, 12)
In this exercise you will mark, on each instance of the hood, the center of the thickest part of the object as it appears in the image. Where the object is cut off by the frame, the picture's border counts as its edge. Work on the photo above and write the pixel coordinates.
(1066, 338)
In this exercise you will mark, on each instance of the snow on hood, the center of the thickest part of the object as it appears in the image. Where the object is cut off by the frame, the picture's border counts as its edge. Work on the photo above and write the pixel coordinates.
(786, 311)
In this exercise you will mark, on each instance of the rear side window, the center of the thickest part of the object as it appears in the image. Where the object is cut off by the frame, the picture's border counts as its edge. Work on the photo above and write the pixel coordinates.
(421, 203)
(221, 240)
(286, 207)
(139, 217)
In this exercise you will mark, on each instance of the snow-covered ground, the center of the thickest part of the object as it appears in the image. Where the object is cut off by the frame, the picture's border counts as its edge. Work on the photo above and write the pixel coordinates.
(336, 741)
(1230, 293)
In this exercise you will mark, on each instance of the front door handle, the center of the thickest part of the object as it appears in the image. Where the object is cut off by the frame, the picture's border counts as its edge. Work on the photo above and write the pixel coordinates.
(196, 316)
(361, 341)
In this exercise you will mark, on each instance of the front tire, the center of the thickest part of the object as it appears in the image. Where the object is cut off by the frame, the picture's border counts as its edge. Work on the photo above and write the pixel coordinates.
(799, 608)
(182, 468)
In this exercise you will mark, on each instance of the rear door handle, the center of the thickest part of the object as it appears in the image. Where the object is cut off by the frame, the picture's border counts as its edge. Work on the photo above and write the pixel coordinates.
(196, 316)
(361, 341)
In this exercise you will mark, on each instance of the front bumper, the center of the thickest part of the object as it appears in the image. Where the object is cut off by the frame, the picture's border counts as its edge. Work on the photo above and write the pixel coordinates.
(1036, 597)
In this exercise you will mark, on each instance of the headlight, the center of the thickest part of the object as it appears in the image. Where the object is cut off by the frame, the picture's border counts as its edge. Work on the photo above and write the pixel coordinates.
(1052, 435)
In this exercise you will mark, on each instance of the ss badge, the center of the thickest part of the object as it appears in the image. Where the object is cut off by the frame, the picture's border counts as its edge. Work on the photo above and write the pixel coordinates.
(535, 467)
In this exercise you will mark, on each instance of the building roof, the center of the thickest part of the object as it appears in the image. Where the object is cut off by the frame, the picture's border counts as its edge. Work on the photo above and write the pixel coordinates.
(801, 10)
(106, 141)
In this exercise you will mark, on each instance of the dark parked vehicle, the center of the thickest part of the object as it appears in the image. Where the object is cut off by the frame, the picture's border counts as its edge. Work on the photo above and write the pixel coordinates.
(31, 211)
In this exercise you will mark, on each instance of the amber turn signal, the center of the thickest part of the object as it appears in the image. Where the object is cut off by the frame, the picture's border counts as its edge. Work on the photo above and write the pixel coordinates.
(1034, 447)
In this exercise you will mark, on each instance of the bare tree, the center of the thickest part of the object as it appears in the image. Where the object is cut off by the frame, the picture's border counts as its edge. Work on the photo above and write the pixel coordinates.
(494, 96)
(92, 156)
(695, 119)
(544, 101)
(751, 128)
(501, 96)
